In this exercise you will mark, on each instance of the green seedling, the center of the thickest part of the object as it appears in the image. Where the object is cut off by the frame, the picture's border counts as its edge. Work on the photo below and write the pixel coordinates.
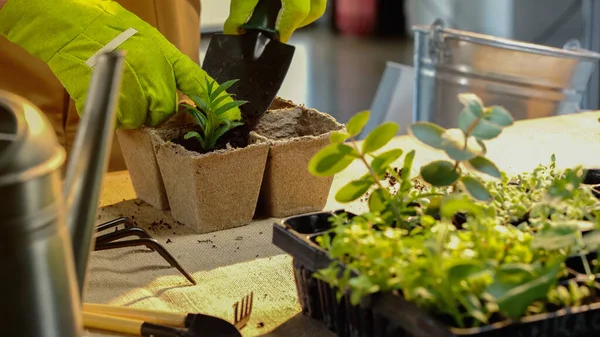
(210, 114)
(503, 261)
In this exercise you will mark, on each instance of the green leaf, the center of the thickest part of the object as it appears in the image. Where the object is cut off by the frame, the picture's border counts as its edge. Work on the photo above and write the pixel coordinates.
(218, 101)
(378, 199)
(475, 189)
(209, 87)
(473, 306)
(356, 124)
(457, 203)
(486, 130)
(382, 161)
(406, 171)
(199, 102)
(472, 103)
(592, 240)
(221, 88)
(499, 116)
(583, 225)
(428, 133)
(331, 159)
(192, 134)
(228, 106)
(379, 137)
(463, 270)
(559, 235)
(222, 130)
(488, 126)
(515, 273)
(514, 299)
(453, 143)
(465, 119)
(483, 129)
(199, 117)
(439, 173)
(355, 189)
(198, 137)
(484, 165)
(338, 137)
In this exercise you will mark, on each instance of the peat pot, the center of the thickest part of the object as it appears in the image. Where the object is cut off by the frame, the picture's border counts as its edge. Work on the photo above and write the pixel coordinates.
(209, 191)
(140, 159)
(295, 134)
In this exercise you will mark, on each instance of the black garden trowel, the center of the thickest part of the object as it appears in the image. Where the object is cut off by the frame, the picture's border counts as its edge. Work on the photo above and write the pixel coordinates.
(256, 58)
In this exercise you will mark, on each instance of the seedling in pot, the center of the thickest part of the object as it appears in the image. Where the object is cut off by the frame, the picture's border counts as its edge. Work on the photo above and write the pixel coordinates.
(211, 114)
(484, 271)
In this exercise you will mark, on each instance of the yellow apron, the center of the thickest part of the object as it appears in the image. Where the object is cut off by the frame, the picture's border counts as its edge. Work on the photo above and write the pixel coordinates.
(27, 76)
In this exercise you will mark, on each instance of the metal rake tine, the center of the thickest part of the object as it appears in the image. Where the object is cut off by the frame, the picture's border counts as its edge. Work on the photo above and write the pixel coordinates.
(115, 222)
(150, 243)
(249, 301)
(235, 312)
(242, 315)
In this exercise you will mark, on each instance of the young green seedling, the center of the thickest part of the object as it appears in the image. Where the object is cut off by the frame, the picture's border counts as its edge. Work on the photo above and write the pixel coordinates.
(464, 146)
(210, 114)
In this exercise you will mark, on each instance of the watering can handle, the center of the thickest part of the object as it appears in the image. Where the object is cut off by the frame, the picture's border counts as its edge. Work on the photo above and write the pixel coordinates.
(89, 159)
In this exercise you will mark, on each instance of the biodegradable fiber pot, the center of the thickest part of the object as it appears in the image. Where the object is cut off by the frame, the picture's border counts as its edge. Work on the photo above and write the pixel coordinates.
(295, 135)
(211, 191)
(140, 159)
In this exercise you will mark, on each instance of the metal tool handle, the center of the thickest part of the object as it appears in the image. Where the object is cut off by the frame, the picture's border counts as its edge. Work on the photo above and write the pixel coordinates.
(264, 18)
(89, 159)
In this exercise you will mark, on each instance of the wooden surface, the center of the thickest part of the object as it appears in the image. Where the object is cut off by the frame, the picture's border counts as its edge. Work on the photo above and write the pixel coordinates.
(229, 264)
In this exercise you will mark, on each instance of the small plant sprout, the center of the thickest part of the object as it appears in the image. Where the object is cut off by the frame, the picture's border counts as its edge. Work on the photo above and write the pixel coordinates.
(464, 146)
(210, 114)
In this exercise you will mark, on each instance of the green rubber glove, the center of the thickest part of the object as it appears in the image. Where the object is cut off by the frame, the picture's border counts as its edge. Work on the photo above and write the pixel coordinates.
(294, 14)
(66, 34)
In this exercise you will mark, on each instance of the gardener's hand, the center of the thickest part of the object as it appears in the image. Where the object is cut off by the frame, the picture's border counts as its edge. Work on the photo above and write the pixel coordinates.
(67, 34)
(294, 14)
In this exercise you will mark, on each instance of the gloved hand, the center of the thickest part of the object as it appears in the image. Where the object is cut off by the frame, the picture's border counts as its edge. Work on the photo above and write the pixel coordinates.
(66, 34)
(294, 14)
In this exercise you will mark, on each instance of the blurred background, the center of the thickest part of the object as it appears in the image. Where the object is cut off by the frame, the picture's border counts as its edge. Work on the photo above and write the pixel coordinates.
(340, 60)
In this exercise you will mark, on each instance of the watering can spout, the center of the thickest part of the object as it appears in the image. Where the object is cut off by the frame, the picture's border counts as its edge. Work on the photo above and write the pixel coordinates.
(89, 158)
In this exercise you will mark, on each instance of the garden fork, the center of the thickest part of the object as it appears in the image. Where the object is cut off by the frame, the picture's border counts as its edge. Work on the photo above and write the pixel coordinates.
(172, 324)
(242, 313)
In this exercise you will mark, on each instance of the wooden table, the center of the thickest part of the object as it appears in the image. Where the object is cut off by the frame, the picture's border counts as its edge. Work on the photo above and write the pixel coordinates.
(231, 263)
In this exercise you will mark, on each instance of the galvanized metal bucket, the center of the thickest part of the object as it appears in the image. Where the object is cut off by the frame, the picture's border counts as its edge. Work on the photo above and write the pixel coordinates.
(530, 80)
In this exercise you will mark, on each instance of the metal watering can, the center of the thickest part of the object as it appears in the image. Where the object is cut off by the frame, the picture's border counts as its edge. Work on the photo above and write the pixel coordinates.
(46, 227)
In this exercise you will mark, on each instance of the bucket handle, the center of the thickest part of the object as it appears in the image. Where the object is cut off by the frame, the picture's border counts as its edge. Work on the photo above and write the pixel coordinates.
(437, 50)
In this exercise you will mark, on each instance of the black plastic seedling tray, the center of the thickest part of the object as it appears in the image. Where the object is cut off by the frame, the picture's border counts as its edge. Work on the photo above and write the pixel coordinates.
(388, 314)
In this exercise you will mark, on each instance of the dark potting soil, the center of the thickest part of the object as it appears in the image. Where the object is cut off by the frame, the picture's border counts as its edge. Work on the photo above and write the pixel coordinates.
(236, 138)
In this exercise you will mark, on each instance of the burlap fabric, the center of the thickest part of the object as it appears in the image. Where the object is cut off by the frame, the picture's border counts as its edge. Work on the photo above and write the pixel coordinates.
(232, 263)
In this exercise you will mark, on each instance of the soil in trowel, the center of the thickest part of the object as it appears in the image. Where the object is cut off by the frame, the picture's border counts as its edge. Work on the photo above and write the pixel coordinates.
(234, 138)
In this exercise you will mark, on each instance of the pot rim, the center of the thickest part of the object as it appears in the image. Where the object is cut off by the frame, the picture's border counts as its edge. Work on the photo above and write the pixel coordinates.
(161, 142)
